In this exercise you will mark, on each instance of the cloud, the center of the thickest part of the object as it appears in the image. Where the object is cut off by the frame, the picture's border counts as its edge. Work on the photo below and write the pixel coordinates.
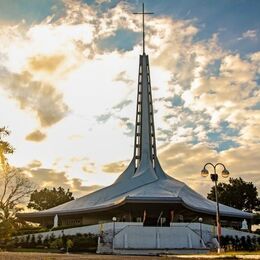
(127, 125)
(78, 188)
(44, 177)
(197, 87)
(236, 70)
(38, 97)
(250, 34)
(185, 161)
(104, 117)
(49, 178)
(182, 159)
(80, 163)
(34, 164)
(36, 136)
(122, 76)
(46, 63)
(102, 1)
(123, 104)
(255, 58)
(118, 17)
(114, 167)
(88, 168)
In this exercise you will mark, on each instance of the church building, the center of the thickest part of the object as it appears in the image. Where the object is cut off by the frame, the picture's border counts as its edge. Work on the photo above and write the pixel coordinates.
(143, 192)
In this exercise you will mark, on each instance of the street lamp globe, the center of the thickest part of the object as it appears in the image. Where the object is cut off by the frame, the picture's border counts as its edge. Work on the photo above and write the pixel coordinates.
(225, 173)
(114, 219)
(204, 172)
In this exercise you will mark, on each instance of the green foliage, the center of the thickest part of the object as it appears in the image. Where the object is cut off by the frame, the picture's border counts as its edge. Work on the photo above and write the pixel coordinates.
(46, 241)
(84, 242)
(73, 243)
(256, 219)
(29, 229)
(52, 237)
(49, 198)
(238, 194)
(39, 239)
(57, 243)
(69, 244)
(230, 243)
(28, 239)
(33, 241)
(6, 230)
(5, 147)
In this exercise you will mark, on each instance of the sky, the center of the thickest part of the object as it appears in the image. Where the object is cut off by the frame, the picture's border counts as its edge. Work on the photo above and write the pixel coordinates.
(68, 88)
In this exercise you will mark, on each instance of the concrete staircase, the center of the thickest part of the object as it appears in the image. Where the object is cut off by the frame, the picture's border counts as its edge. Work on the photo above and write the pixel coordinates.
(151, 240)
(105, 242)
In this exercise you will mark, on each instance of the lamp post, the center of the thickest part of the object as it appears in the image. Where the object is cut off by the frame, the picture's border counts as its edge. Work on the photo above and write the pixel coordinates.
(200, 221)
(214, 178)
(114, 231)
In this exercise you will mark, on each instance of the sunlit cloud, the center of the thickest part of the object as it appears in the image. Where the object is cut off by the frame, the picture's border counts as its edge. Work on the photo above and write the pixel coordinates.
(73, 76)
(34, 164)
(46, 63)
(115, 167)
(48, 178)
(184, 162)
(38, 97)
(36, 136)
(122, 76)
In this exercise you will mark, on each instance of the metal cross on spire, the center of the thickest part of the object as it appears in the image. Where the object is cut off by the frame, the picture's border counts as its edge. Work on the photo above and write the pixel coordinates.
(143, 13)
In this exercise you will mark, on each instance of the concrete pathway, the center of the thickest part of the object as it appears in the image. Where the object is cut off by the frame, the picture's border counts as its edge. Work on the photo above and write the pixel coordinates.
(209, 256)
(50, 256)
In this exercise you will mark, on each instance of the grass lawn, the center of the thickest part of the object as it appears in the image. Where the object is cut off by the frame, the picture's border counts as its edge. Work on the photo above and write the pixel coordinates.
(36, 250)
(52, 254)
(242, 253)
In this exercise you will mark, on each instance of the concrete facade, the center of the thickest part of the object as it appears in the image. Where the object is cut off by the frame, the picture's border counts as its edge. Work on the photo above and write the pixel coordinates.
(133, 237)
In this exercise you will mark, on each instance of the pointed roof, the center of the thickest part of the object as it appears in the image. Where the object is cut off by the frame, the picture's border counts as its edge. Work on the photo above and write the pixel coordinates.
(143, 180)
(150, 185)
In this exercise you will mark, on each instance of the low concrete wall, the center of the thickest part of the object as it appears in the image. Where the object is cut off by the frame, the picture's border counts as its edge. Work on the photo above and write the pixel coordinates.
(207, 230)
(134, 237)
(93, 229)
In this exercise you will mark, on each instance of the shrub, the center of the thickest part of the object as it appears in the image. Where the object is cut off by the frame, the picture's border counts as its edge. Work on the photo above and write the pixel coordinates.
(238, 244)
(33, 241)
(84, 242)
(79, 242)
(56, 243)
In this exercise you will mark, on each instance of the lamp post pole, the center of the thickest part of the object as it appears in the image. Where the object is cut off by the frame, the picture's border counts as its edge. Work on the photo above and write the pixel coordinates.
(214, 178)
(200, 221)
(114, 232)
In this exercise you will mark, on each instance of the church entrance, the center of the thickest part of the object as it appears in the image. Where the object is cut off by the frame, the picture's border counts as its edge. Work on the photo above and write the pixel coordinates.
(153, 222)
(161, 220)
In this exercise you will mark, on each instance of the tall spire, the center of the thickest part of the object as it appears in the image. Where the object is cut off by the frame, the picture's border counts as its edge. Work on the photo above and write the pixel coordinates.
(143, 13)
(144, 146)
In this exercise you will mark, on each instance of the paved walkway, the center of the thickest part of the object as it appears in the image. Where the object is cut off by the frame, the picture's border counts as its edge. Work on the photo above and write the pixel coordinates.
(50, 256)
(203, 257)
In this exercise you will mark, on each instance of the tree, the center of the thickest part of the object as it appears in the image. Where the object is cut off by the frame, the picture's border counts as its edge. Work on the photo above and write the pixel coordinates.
(5, 147)
(14, 188)
(238, 194)
(47, 198)
(14, 185)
